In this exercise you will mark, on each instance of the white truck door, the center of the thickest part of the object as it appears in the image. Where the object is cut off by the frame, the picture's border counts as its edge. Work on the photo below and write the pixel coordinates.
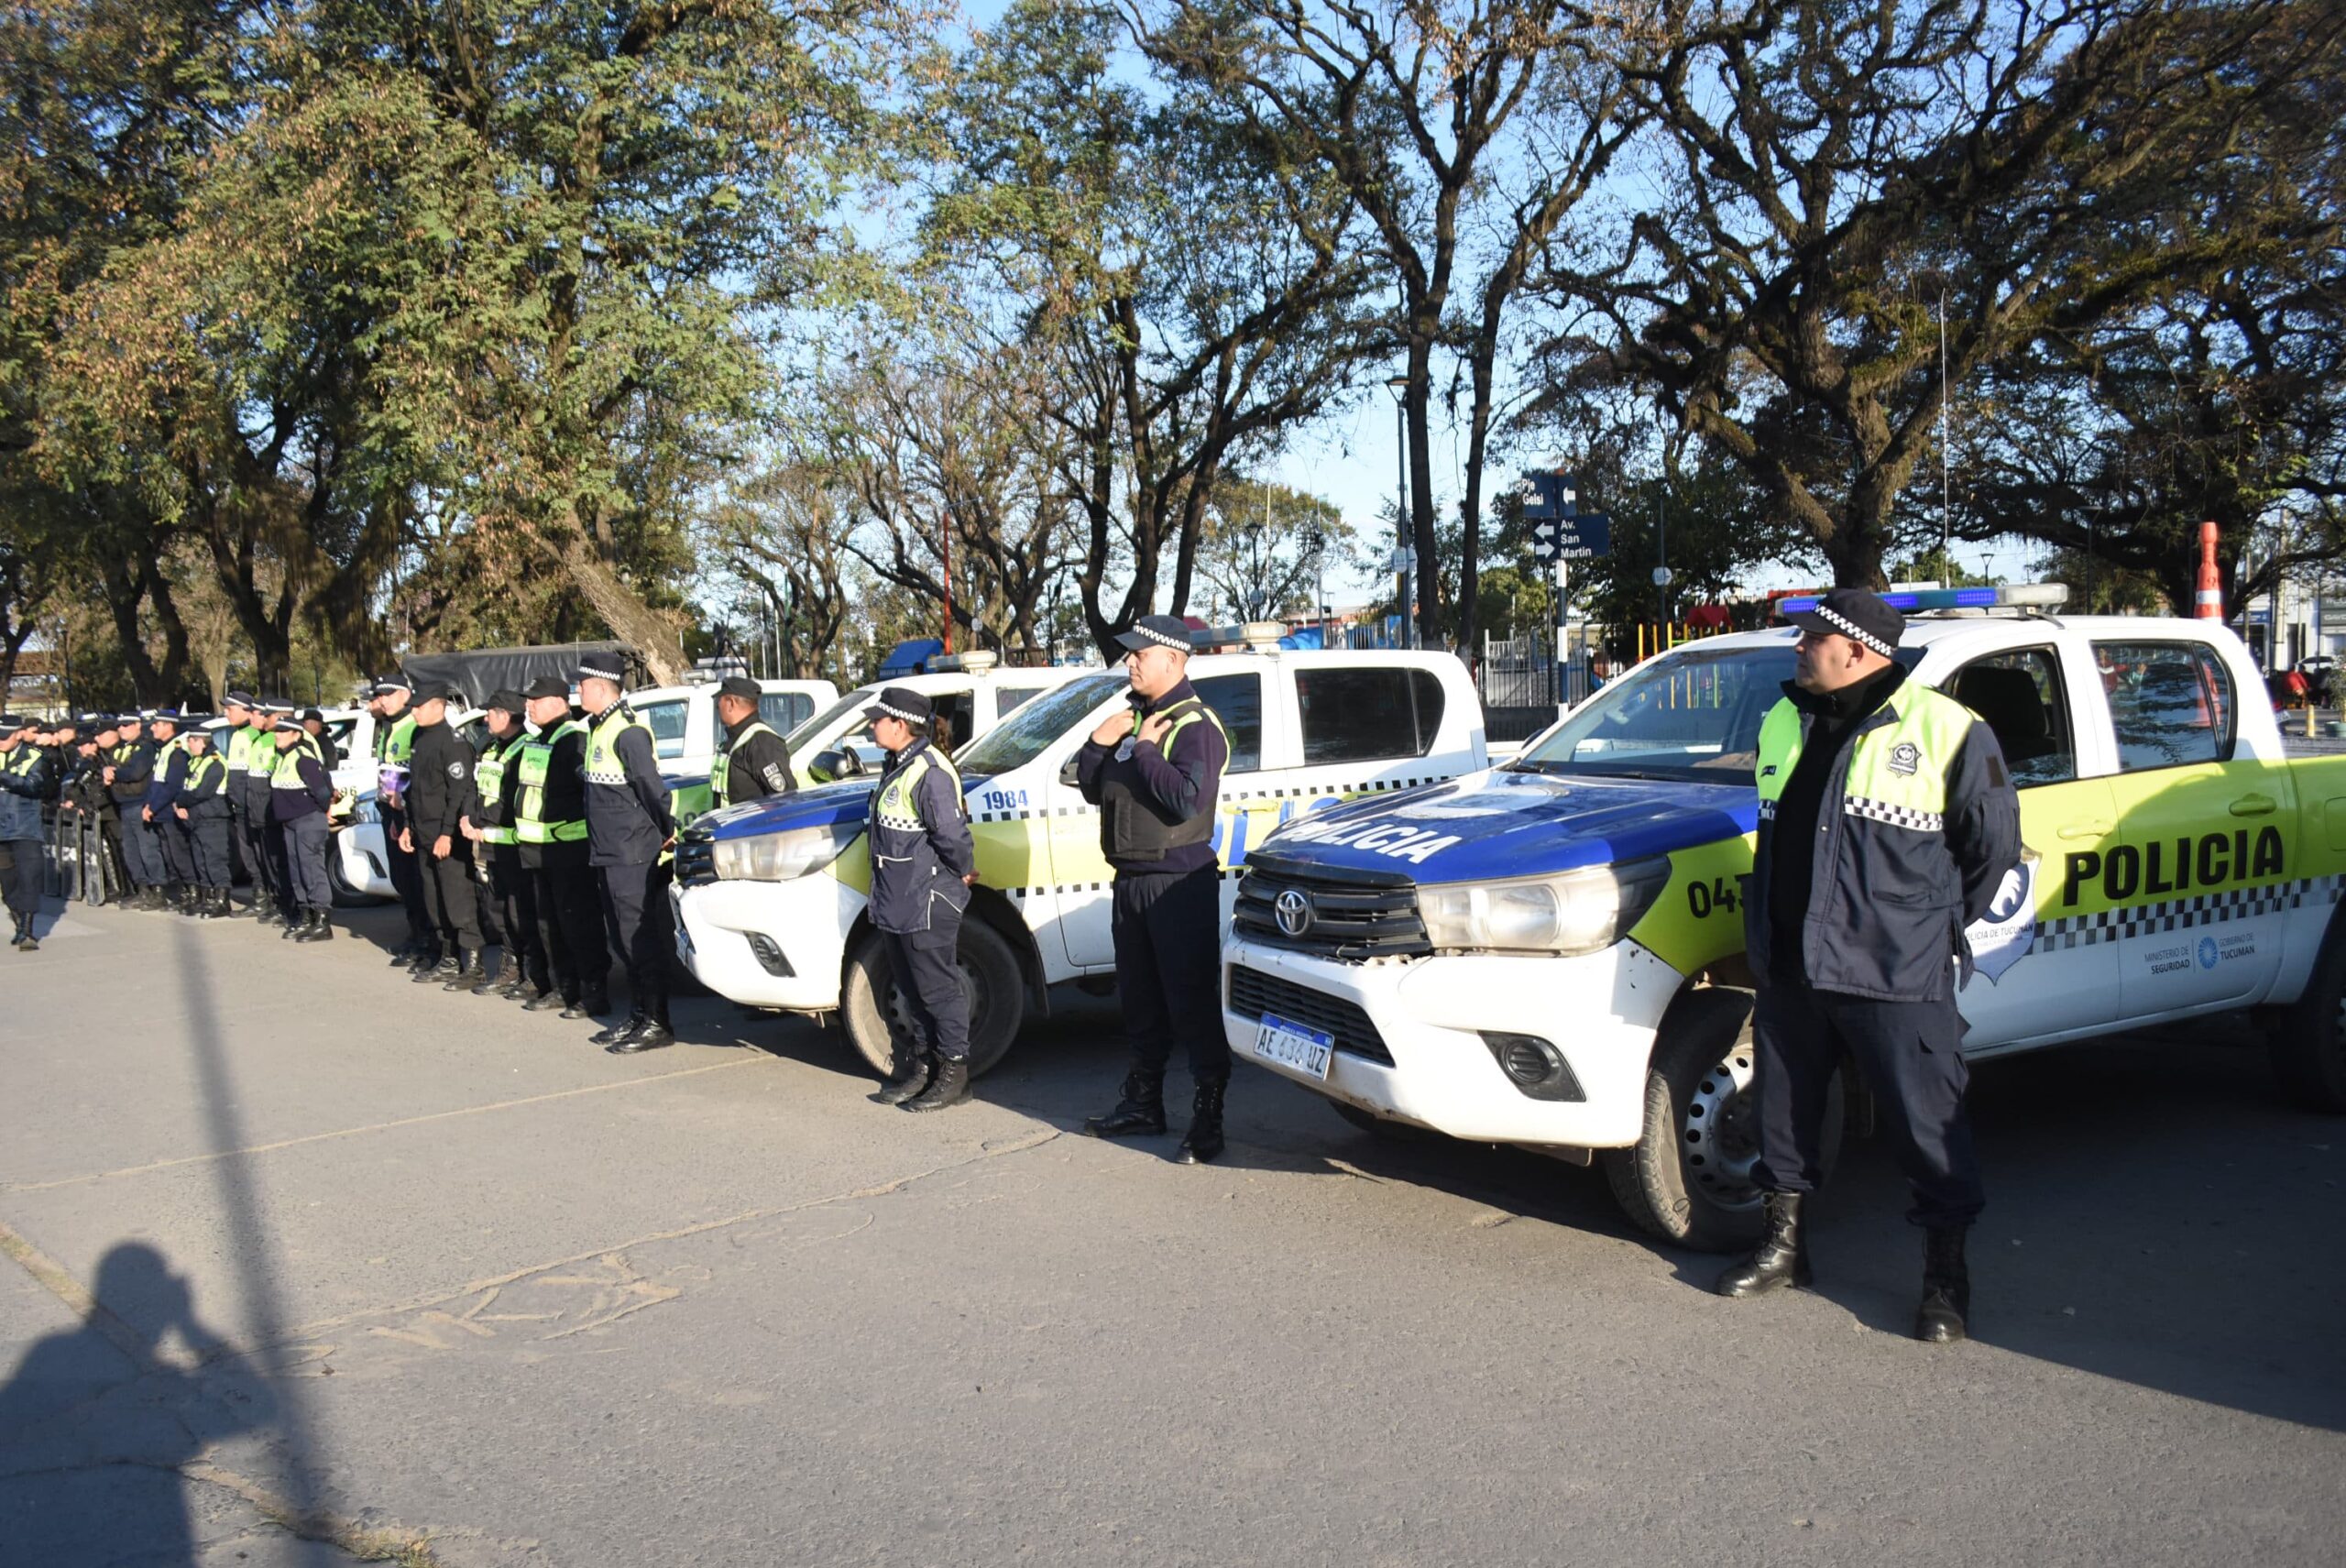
(2036, 975)
(2202, 858)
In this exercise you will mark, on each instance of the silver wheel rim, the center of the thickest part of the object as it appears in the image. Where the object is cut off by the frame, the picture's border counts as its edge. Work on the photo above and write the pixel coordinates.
(1719, 1139)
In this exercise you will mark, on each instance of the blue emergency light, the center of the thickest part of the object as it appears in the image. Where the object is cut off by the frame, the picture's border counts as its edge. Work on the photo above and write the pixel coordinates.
(1919, 601)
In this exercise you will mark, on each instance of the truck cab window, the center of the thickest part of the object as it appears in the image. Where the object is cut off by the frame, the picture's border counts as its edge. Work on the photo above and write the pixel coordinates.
(1237, 701)
(785, 711)
(1367, 714)
(2020, 697)
(2170, 702)
(667, 722)
(950, 725)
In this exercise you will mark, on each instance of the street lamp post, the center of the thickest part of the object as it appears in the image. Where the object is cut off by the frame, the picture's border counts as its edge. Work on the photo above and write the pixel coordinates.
(1400, 386)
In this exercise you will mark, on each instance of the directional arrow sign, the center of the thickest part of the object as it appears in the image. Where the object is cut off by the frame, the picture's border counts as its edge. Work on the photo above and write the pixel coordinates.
(1548, 495)
(1583, 537)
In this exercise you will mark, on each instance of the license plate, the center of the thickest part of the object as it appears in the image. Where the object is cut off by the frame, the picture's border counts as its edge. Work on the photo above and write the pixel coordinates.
(1292, 1045)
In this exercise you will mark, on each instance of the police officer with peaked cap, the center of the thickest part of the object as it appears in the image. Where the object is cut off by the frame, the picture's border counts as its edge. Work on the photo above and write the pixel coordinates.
(299, 792)
(488, 823)
(1887, 822)
(924, 863)
(630, 836)
(128, 771)
(550, 830)
(247, 793)
(1154, 768)
(177, 860)
(392, 703)
(438, 795)
(751, 761)
(202, 811)
(26, 779)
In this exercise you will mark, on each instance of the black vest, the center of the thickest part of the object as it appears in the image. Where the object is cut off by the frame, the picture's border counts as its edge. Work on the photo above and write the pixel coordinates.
(1133, 827)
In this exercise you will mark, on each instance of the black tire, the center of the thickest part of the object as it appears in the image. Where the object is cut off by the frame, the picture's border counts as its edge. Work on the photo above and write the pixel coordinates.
(1377, 1126)
(2308, 1045)
(875, 1014)
(1688, 1179)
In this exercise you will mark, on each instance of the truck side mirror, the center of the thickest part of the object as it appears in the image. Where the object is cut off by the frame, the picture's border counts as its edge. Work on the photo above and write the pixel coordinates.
(1068, 768)
(838, 762)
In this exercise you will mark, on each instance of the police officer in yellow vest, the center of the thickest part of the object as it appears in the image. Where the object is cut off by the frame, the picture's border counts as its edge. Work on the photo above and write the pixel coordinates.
(203, 810)
(924, 863)
(1887, 821)
(488, 823)
(751, 761)
(630, 836)
(392, 705)
(299, 791)
(245, 825)
(549, 772)
(1154, 772)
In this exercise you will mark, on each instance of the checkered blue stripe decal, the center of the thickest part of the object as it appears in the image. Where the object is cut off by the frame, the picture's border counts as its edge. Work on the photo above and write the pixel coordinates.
(2184, 914)
(1896, 815)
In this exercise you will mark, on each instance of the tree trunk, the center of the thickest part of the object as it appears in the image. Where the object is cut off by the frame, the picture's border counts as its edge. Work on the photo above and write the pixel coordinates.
(623, 610)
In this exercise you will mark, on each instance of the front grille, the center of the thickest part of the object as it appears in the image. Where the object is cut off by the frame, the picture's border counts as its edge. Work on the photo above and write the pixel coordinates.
(1353, 914)
(1254, 993)
(695, 858)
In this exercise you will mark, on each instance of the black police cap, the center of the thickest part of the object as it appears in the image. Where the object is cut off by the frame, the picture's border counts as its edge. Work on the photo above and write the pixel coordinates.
(741, 687)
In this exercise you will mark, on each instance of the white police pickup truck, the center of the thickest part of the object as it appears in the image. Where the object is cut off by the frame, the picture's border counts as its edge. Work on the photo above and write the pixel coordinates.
(970, 693)
(770, 894)
(1550, 954)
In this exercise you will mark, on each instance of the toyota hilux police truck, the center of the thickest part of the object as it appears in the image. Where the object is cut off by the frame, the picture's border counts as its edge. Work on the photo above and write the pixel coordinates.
(770, 894)
(1550, 954)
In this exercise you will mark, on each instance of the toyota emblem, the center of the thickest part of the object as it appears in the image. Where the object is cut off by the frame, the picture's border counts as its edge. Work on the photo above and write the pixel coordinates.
(1293, 910)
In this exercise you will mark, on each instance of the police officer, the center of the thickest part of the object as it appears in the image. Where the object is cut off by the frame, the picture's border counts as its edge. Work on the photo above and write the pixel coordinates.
(162, 790)
(1887, 821)
(248, 792)
(489, 825)
(78, 787)
(26, 779)
(129, 776)
(299, 792)
(550, 830)
(394, 739)
(1154, 770)
(203, 810)
(752, 761)
(923, 866)
(112, 884)
(629, 837)
(438, 795)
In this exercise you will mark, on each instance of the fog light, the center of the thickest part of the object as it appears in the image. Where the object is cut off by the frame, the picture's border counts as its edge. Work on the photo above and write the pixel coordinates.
(769, 956)
(1534, 1065)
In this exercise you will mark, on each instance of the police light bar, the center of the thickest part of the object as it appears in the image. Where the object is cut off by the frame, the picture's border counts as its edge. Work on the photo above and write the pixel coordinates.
(1922, 601)
(976, 662)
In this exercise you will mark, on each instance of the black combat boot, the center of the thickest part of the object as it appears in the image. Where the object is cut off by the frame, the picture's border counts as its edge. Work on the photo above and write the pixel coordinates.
(548, 1002)
(1203, 1142)
(652, 1034)
(316, 927)
(948, 1088)
(1140, 1112)
(472, 969)
(611, 1034)
(919, 1066)
(513, 981)
(296, 920)
(594, 1005)
(24, 932)
(439, 974)
(1782, 1257)
(212, 905)
(1947, 1288)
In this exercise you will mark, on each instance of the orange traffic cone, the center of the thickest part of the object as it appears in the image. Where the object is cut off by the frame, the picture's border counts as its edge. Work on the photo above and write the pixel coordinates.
(2211, 597)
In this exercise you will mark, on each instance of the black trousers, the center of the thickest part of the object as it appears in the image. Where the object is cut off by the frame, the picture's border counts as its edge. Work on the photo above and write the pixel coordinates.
(179, 851)
(307, 841)
(407, 880)
(929, 975)
(452, 898)
(516, 893)
(570, 930)
(252, 833)
(143, 849)
(636, 900)
(207, 839)
(21, 877)
(114, 873)
(277, 849)
(1168, 933)
(1910, 1055)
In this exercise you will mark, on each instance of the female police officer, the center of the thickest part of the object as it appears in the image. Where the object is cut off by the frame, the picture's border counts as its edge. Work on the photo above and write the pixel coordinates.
(923, 863)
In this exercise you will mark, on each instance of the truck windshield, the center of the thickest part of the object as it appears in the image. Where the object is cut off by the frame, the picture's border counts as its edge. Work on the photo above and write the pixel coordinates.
(1025, 735)
(805, 734)
(1692, 714)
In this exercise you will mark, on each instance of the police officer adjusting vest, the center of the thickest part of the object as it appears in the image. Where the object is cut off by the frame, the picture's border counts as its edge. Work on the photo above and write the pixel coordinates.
(488, 780)
(1133, 828)
(531, 825)
(721, 769)
(1884, 887)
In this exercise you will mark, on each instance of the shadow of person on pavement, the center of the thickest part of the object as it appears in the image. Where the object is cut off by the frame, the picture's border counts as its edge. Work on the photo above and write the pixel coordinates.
(96, 1426)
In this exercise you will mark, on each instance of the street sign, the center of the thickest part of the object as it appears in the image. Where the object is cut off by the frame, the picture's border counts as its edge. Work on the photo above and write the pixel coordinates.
(1579, 538)
(1548, 495)
(1661, 575)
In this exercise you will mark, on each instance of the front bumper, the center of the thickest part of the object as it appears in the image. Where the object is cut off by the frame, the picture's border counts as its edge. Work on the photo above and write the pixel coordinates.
(365, 860)
(734, 934)
(1600, 1010)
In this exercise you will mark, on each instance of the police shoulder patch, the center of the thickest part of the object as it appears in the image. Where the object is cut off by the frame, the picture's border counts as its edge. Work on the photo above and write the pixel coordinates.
(1905, 758)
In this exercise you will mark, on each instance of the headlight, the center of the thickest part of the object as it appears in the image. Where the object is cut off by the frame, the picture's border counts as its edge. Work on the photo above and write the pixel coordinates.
(1579, 912)
(783, 857)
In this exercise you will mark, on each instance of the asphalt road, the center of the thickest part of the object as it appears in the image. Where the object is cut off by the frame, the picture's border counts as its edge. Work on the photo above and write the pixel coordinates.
(379, 1263)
